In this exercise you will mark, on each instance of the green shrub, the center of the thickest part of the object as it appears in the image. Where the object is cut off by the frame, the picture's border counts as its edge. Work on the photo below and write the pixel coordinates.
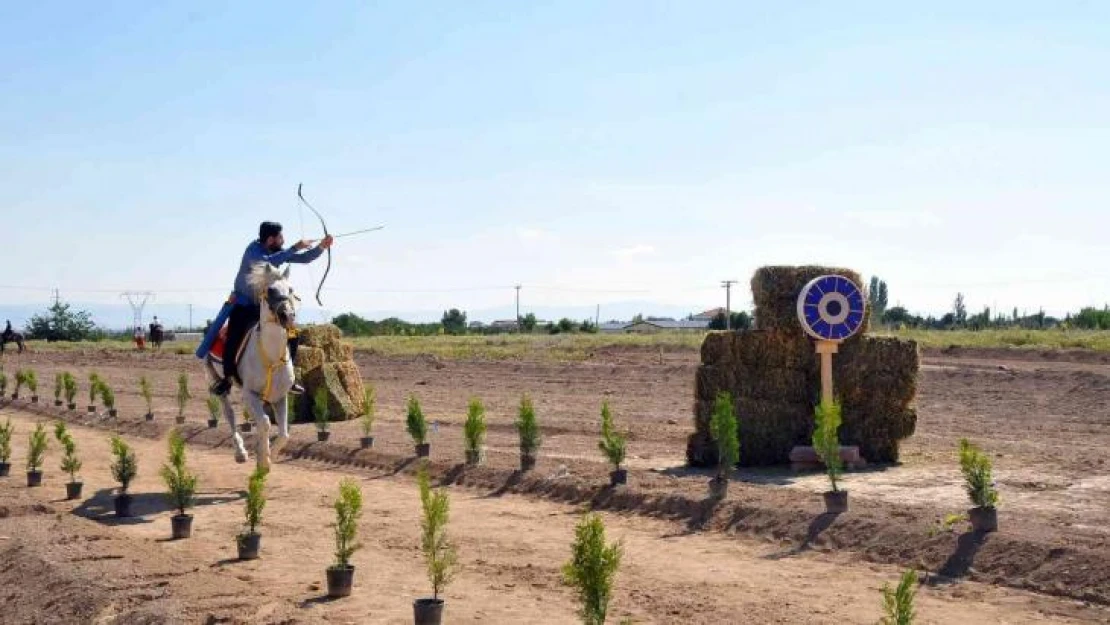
(107, 396)
(528, 427)
(256, 501)
(71, 464)
(213, 405)
(126, 466)
(32, 381)
(147, 392)
(69, 382)
(6, 440)
(724, 430)
(59, 386)
(612, 444)
(320, 407)
(474, 430)
(20, 381)
(183, 395)
(181, 485)
(976, 469)
(592, 569)
(3, 384)
(826, 440)
(37, 448)
(94, 387)
(366, 409)
(415, 423)
(60, 431)
(439, 553)
(348, 509)
(898, 602)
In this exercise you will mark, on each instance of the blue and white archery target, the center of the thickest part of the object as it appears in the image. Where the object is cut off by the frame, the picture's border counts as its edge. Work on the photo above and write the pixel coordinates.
(830, 308)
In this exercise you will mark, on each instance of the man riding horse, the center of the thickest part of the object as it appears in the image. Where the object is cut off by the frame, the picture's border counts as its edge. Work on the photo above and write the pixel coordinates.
(245, 310)
(10, 336)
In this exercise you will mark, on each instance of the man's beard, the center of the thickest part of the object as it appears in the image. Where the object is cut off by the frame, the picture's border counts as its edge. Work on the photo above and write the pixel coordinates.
(273, 249)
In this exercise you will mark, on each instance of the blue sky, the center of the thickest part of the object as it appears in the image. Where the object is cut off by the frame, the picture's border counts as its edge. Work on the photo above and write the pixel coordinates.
(595, 152)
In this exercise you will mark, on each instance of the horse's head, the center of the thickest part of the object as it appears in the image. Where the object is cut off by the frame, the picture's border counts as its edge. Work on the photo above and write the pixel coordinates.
(273, 288)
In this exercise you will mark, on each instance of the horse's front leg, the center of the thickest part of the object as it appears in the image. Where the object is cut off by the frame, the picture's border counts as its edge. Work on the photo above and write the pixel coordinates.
(281, 414)
(257, 410)
(229, 415)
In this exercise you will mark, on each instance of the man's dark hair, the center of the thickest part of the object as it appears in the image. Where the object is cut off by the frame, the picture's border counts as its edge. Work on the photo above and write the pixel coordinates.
(268, 229)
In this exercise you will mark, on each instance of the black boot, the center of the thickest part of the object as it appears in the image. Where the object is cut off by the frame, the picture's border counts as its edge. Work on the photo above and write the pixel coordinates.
(293, 342)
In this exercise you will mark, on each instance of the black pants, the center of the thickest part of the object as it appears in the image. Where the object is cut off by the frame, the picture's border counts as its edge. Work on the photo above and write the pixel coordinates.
(241, 320)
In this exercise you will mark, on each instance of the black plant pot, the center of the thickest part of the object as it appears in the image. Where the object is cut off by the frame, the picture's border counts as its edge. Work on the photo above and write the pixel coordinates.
(73, 490)
(473, 457)
(112, 412)
(5, 469)
(983, 519)
(836, 502)
(92, 409)
(423, 449)
(212, 423)
(322, 435)
(340, 580)
(249, 545)
(245, 426)
(34, 399)
(34, 478)
(123, 505)
(15, 396)
(181, 525)
(527, 462)
(427, 611)
(57, 402)
(71, 406)
(179, 420)
(618, 477)
(149, 416)
(366, 442)
(718, 487)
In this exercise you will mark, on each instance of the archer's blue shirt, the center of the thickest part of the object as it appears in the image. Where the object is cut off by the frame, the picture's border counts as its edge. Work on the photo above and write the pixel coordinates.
(255, 253)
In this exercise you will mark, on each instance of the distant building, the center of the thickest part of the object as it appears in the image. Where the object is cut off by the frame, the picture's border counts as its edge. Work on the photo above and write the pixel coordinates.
(504, 324)
(650, 326)
(708, 315)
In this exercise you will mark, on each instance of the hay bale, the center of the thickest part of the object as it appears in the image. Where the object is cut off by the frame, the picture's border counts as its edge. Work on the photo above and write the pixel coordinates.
(717, 348)
(319, 335)
(336, 351)
(308, 358)
(340, 406)
(778, 350)
(775, 292)
(781, 385)
(351, 380)
(710, 379)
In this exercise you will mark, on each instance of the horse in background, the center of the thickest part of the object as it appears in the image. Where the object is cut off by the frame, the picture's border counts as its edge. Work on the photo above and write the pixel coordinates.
(11, 336)
(156, 335)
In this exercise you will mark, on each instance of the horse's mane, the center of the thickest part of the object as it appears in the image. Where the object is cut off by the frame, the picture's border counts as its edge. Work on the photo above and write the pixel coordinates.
(263, 275)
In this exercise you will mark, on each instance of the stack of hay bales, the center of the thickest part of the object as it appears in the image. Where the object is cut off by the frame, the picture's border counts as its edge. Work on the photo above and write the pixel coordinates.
(323, 360)
(774, 376)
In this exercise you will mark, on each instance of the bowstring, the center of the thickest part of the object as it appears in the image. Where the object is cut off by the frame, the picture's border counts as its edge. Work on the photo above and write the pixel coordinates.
(308, 266)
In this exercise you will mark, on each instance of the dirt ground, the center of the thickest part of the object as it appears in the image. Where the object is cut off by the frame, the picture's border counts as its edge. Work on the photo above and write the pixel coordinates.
(768, 555)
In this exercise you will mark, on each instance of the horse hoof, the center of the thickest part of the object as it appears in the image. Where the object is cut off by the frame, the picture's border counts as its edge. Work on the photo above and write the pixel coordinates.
(240, 457)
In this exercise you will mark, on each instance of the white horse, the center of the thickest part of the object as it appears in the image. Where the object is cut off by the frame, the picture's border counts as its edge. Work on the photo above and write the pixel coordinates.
(265, 368)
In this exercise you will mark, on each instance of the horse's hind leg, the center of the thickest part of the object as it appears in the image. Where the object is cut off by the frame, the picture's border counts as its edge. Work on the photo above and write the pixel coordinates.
(229, 416)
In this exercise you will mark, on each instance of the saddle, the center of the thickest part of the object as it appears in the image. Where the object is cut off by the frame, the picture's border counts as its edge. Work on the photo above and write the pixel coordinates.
(218, 346)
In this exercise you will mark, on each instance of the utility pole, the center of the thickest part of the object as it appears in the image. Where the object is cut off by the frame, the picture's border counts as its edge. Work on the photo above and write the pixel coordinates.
(728, 302)
(57, 297)
(518, 325)
(190, 318)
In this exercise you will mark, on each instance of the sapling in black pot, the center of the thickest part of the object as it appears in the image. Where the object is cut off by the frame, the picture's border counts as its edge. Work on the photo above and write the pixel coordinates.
(528, 430)
(417, 427)
(94, 390)
(249, 541)
(147, 393)
(320, 411)
(71, 464)
(183, 397)
(69, 384)
(20, 381)
(474, 431)
(32, 382)
(213, 405)
(36, 453)
(723, 428)
(59, 388)
(826, 443)
(367, 406)
(613, 445)
(592, 568)
(439, 552)
(5, 447)
(898, 602)
(3, 385)
(348, 510)
(124, 470)
(979, 483)
(108, 398)
(181, 486)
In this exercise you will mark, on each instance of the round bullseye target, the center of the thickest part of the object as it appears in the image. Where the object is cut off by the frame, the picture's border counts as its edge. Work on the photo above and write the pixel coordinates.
(831, 308)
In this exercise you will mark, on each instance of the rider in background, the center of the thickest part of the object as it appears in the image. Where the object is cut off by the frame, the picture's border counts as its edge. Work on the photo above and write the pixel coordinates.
(267, 247)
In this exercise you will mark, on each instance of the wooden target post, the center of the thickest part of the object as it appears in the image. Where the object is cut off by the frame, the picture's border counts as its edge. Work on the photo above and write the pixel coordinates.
(831, 309)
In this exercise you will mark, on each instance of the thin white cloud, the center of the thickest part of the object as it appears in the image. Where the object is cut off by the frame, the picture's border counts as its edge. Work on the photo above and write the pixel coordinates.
(894, 219)
(529, 234)
(641, 249)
